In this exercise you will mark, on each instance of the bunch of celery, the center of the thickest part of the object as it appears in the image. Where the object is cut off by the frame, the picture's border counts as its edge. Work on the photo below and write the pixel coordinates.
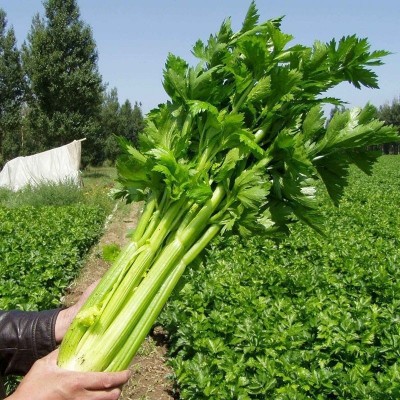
(238, 148)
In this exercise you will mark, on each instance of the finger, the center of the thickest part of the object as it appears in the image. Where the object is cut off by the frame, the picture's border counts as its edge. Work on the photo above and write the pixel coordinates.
(95, 380)
(90, 288)
(52, 357)
(105, 380)
(112, 394)
(86, 293)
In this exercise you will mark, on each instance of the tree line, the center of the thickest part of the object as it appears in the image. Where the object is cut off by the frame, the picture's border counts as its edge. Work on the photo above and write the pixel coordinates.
(390, 113)
(52, 93)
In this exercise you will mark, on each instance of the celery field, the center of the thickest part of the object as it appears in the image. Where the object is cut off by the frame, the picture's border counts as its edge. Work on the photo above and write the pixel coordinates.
(314, 318)
(45, 234)
(306, 318)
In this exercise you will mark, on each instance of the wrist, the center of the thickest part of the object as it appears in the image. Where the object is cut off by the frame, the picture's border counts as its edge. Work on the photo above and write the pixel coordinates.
(63, 321)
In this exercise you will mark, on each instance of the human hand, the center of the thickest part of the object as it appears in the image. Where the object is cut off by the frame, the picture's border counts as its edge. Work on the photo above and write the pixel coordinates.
(46, 381)
(66, 316)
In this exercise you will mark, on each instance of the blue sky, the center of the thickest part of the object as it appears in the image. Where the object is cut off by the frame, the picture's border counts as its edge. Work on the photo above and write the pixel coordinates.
(134, 37)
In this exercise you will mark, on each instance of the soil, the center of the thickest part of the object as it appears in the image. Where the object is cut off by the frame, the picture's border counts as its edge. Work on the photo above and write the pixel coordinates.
(150, 374)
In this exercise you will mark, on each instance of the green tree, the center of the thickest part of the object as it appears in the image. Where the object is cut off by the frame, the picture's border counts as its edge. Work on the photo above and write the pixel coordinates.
(138, 121)
(60, 60)
(117, 120)
(12, 89)
(132, 120)
(126, 120)
(110, 124)
(390, 113)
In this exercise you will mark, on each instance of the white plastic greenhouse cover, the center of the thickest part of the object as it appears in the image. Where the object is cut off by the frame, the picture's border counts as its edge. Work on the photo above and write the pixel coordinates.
(56, 165)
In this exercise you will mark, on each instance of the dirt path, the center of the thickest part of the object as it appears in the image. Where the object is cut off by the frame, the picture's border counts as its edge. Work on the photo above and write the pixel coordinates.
(149, 373)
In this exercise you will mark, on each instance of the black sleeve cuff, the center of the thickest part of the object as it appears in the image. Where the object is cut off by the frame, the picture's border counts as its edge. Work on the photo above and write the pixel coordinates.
(24, 338)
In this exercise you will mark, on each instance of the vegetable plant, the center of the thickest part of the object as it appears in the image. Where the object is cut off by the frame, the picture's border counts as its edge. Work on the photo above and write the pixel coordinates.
(302, 318)
(238, 148)
(41, 249)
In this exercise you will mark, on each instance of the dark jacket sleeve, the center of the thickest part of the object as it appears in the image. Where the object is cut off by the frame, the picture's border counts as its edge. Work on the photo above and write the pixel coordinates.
(25, 336)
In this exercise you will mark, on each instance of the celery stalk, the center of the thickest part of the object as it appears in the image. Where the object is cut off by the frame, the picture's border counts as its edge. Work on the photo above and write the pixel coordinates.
(137, 336)
(132, 301)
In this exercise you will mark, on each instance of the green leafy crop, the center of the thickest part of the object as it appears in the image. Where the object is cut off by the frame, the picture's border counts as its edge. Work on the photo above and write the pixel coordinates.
(305, 318)
(41, 249)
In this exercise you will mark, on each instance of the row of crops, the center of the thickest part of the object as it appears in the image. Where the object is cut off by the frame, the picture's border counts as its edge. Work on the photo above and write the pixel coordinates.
(307, 318)
(41, 251)
(310, 317)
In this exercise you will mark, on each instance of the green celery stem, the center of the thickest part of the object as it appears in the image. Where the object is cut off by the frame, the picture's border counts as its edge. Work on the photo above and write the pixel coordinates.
(107, 285)
(145, 218)
(131, 278)
(142, 328)
(118, 329)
